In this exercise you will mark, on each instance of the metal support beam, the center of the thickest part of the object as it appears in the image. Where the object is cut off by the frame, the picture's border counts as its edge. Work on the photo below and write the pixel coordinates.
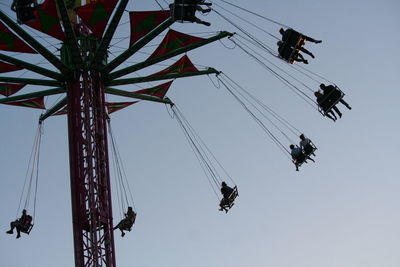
(32, 67)
(35, 44)
(137, 46)
(62, 103)
(90, 177)
(53, 91)
(101, 51)
(70, 38)
(30, 81)
(114, 91)
(162, 77)
(176, 52)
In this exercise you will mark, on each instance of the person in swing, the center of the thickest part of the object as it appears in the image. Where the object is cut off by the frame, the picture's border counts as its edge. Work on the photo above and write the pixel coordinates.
(226, 192)
(126, 223)
(21, 225)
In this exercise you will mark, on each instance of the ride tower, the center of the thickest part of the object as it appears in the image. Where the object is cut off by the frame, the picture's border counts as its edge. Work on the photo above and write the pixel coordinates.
(85, 76)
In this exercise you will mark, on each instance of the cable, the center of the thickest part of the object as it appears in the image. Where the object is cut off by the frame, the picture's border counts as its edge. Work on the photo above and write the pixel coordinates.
(263, 126)
(251, 12)
(252, 24)
(284, 122)
(285, 81)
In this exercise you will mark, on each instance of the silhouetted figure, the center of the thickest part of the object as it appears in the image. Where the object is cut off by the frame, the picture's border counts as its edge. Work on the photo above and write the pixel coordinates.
(229, 196)
(333, 93)
(298, 156)
(289, 53)
(290, 33)
(21, 225)
(293, 42)
(326, 107)
(306, 145)
(126, 223)
(185, 10)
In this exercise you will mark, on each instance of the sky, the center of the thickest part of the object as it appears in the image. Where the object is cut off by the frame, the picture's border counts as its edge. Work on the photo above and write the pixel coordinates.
(341, 211)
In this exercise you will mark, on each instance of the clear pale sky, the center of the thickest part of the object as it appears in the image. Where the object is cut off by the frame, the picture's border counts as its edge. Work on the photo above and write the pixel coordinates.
(342, 211)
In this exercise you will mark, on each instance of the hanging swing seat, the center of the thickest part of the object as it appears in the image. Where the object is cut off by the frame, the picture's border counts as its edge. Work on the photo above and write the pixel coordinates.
(183, 10)
(302, 158)
(288, 53)
(309, 149)
(26, 226)
(25, 10)
(330, 100)
(293, 38)
(292, 42)
(228, 203)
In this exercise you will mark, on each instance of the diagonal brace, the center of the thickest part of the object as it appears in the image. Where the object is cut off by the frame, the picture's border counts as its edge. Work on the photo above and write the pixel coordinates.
(101, 51)
(62, 103)
(30, 81)
(70, 38)
(32, 67)
(176, 52)
(137, 46)
(53, 91)
(35, 44)
(118, 92)
(162, 77)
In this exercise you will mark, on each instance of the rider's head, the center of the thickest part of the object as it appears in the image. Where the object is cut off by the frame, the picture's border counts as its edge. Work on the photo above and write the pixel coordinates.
(281, 30)
(291, 146)
(223, 184)
(302, 136)
(322, 86)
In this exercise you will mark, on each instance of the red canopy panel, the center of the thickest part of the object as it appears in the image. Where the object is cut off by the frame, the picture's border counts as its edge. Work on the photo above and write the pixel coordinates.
(5, 67)
(95, 15)
(10, 42)
(174, 40)
(182, 65)
(145, 21)
(47, 20)
(115, 106)
(37, 102)
(8, 89)
(158, 91)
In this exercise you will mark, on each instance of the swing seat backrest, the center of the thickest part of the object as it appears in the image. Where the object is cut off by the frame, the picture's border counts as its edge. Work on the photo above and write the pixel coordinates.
(25, 11)
(26, 228)
(230, 201)
(309, 149)
(299, 160)
(330, 100)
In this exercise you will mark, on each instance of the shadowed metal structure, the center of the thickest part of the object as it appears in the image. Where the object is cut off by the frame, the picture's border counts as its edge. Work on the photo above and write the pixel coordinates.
(84, 75)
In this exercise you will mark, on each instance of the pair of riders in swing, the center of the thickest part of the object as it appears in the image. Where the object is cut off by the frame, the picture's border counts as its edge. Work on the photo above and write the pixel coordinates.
(292, 43)
(303, 152)
(185, 10)
(289, 49)
(327, 99)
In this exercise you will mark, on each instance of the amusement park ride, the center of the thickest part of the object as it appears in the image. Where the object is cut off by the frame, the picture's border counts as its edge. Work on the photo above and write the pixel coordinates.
(82, 72)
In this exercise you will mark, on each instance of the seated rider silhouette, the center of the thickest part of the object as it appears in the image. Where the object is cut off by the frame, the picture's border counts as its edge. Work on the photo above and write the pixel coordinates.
(21, 225)
(326, 106)
(127, 222)
(289, 53)
(226, 192)
(305, 145)
(186, 10)
(298, 156)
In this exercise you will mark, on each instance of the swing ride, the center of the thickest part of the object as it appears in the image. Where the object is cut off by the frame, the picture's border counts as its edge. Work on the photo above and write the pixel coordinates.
(84, 71)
